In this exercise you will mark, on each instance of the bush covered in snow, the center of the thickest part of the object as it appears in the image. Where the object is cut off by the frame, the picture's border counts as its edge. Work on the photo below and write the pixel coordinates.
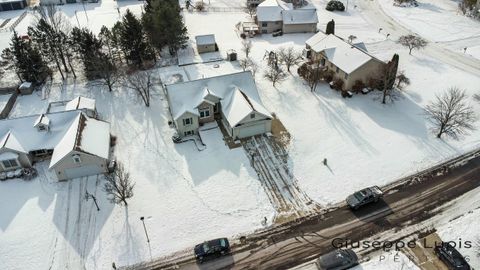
(358, 86)
(335, 5)
(405, 3)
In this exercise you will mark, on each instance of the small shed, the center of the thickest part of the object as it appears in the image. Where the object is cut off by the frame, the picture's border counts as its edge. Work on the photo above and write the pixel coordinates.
(26, 88)
(6, 104)
(206, 43)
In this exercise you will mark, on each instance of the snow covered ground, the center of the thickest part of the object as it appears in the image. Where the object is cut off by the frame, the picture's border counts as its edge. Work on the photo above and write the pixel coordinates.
(185, 195)
(439, 21)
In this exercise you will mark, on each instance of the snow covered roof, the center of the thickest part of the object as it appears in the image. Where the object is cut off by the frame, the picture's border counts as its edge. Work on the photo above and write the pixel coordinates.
(237, 93)
(300, 16)
(271, 10)
(42, 119)
(205, 39)
(342, 54)
(86, 135)
(24, 137)
(10, 141)
(79, 103)
(8, 155)
(4, 100)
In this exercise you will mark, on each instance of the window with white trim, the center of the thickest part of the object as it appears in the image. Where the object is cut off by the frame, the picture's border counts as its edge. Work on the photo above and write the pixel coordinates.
(346, 76)
(264, 24)
(205, 113)
(252, 115)
(337, 70)
(10, 163)
(76, 159)
(187, 121)
(187, 133)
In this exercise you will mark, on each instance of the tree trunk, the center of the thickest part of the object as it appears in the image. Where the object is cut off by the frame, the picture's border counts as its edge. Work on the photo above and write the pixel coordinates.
(410, 52)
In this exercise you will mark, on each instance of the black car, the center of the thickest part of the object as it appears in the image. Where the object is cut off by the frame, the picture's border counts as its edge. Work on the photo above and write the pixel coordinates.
(339, 259)
(451, 257)
(277, 33)
(211, 249)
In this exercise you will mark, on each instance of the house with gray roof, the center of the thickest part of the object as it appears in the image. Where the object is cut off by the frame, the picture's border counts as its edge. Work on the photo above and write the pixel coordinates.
(233, 99)
(274, 15)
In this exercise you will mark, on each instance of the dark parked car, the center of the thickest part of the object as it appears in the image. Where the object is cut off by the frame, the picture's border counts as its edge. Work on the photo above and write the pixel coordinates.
(451, 257)
(337, 260)
(277, 33)
(364, 196)
(211, 249)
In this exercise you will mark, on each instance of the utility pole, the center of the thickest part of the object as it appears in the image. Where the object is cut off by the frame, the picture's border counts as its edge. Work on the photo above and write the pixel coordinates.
(145, 228)
(88, 196)
(83, 4)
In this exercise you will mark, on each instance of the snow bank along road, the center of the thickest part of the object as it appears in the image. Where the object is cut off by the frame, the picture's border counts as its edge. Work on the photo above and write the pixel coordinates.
(373, 13)
(406, 202)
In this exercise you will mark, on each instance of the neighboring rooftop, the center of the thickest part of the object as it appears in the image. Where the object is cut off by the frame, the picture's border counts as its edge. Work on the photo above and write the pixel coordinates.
(348, 57)
(271, 10)
(205, 39)
(300, 16)
(79, 103)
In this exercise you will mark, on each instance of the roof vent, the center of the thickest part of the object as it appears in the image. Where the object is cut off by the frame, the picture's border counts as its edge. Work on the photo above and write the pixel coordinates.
(42, 123)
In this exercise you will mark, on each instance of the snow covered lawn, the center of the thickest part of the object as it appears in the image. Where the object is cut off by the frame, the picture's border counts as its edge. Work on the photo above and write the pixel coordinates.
(439, 21)
(187, 196)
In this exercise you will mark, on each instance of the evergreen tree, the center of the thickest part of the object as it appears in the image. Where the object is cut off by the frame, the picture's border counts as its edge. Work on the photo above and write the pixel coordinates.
(132, 40)
(29, 63)
(330, 27)
(164, 25)
(88, 47)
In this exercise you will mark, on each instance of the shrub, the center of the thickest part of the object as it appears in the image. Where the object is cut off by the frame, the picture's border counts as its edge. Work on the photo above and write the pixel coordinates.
(337, 84)
(328, 76)
(335, 5)
(358, 86)
(200, 6)
(374, 83)
(302, 70)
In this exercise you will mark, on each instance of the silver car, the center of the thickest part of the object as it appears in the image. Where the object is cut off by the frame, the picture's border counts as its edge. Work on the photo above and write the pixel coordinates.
(339, 259)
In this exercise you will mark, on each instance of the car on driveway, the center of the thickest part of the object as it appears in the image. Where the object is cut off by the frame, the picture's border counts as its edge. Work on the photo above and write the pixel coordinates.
(364, 196)
(211, 249)
(277, 33)
(339, 259)
(451, 257)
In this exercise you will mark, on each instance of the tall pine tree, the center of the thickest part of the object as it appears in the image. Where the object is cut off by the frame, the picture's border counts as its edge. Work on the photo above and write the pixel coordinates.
(164, 25)
(133, 41)
(29, 63)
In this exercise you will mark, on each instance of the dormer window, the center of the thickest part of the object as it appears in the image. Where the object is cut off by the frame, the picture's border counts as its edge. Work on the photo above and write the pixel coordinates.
(76, 159)
(42, 123)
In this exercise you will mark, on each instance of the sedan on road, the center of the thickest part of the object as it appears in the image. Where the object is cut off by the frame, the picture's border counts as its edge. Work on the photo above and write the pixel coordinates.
(211, 249)
(364, 196)
(451, 257)
(339, 259)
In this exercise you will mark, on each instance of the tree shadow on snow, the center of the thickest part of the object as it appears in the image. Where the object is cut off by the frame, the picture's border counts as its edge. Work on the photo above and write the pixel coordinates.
(76, 218)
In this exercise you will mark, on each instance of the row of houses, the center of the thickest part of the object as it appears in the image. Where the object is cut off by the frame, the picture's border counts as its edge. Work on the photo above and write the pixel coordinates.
(76, 144)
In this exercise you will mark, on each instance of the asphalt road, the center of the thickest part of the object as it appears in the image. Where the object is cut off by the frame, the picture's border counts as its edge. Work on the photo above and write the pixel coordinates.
(296, 243)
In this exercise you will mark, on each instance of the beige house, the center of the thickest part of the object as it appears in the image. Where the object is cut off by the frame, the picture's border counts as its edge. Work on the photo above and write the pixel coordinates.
(274, 15)
(206, 43)
(76, 144)
(349, 62)
(232, 99)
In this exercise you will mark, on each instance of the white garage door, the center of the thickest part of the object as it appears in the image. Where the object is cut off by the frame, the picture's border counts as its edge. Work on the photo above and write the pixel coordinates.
(83, 171)
(248, 131)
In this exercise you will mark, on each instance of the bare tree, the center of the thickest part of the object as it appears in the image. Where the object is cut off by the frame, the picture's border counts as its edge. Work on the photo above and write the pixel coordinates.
(275, 74)
(119, 185)
(450, 114)
(412, 42)
(402, 79)
(107, 71)
(250, 9)
(312, 74)
(289, 57)
(141, 82)
(351, 38)
(246, 47)
(477, 244)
